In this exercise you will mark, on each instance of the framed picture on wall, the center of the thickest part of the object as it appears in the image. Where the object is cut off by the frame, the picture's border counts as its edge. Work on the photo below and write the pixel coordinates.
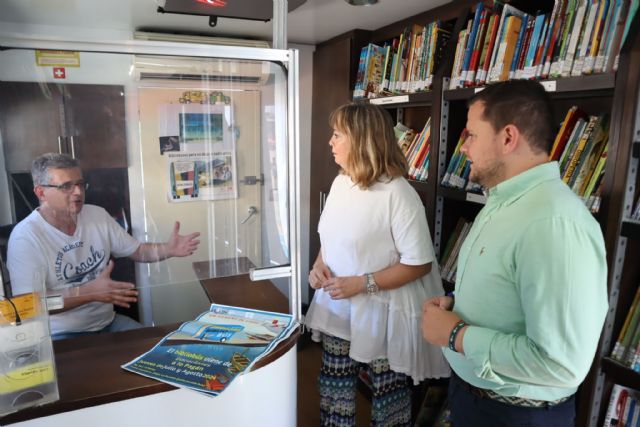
(202, 176)
(205, 126)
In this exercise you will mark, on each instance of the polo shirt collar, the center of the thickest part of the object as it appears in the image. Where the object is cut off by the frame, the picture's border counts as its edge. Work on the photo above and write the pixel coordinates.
(513, 188)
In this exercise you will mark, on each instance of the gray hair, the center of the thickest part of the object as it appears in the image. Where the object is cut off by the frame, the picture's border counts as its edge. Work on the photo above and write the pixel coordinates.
(41, 165)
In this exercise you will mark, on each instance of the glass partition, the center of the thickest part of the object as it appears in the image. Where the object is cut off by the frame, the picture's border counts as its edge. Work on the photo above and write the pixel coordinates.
(169, 145)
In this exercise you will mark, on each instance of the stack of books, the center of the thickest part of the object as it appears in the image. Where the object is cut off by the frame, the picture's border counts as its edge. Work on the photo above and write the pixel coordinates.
(449, 260)
(459, 168)
(578, 37)
(627, 347)
(624, 407)
(406, 64)
(581, 148)
(636, 211)
(416, 149)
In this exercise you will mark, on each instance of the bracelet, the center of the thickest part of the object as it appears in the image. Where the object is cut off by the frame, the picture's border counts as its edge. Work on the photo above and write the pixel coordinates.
(454, 333)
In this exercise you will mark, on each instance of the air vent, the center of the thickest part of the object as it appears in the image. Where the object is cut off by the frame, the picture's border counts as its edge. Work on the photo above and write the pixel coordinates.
(200, 77)
(198, 39)
(232, 71)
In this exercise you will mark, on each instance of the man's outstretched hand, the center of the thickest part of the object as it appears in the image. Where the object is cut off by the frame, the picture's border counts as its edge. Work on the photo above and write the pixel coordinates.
(180, 245)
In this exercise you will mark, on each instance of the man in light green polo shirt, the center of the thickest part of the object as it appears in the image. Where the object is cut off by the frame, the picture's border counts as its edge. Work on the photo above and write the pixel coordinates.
(531, 288)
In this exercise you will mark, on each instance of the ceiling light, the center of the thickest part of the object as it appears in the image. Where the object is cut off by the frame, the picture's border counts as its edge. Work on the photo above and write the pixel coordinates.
(361, 2)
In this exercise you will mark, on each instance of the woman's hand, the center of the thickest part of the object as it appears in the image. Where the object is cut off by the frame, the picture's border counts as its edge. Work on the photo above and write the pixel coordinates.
(344, 287)
(319, 275)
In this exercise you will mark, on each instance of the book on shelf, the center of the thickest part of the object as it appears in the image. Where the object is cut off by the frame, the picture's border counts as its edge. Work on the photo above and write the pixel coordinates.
(577, 37)
(615, 42)
(473, 36)
(457, 173)
(589, 31)
(590, 157)
(556, 26)
(524, 37)
(574, 160)
(405, 136)
(606, 25)
(418, 159)
(636, 211)
(618, 350)
(370, 71)
(497, 55)
(405, 64)
(623, 408)
(577, 33)
(450, 258)
(624, 342)
(531, 47)
(487, 49)
(563, 135)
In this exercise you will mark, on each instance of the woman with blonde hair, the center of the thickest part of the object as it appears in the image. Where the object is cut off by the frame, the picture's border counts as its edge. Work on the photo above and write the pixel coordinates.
(375, 268)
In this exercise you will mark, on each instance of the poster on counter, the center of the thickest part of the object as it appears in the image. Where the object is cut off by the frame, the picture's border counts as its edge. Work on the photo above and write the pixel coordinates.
(206, 354)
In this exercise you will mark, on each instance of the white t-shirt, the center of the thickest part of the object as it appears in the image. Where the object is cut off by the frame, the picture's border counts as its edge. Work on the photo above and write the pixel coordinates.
(68, 261)
(365, 231)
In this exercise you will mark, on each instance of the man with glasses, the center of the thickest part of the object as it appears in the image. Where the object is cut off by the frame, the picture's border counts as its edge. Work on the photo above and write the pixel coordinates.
(71, 245)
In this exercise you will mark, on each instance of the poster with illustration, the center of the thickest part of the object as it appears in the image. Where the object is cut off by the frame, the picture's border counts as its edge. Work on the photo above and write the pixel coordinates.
(206, 354)
(202, 176)
(198, 144)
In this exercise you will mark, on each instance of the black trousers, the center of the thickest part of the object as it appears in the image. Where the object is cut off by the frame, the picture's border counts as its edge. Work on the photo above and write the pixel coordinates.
(470, 410)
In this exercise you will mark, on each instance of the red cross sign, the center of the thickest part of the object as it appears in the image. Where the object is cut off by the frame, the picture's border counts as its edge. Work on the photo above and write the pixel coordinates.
(59, 73)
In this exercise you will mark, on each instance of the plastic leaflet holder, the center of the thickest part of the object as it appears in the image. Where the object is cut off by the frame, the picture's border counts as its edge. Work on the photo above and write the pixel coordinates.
(27, 368)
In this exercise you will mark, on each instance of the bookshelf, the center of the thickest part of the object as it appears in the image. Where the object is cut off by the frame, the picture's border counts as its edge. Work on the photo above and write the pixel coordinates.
(620, 374)
(613, 93)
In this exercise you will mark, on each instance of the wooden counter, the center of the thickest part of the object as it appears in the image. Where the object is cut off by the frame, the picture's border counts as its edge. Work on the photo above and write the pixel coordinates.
(88, 367)
(227, 282)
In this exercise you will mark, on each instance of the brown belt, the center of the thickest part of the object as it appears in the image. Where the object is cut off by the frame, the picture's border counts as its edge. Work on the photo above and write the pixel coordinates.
(510, 400)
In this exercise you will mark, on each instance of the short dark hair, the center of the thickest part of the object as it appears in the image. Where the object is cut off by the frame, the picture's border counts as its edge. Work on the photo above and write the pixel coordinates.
(523, 103)
(41, 165)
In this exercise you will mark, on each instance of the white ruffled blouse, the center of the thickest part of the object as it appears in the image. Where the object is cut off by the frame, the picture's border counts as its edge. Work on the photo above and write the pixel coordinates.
(364, 231)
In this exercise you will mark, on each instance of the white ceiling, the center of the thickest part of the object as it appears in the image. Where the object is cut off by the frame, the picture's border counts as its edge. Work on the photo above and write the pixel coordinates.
(313, 22)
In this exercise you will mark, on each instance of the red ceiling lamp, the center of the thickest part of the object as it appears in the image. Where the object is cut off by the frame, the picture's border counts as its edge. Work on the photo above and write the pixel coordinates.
(257, 10)
(213, 3)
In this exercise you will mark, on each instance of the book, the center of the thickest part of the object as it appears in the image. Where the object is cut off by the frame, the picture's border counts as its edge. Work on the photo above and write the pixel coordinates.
(554, 39)
(636, 212)
(617, 351)
(521, 46)
(590, 58)
(473, 35)
(487, 49)
(576, 30)
(585, 37)
(613, 48)
(497, 57)
(560, 49)
(479, 44)
(507, 48)
(563, 135)
(576, 157)
(591, 155)
(571, 146)
(596, 176)
(619, 401)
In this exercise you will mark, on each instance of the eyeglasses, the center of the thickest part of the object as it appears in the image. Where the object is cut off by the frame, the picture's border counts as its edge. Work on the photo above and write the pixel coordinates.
(67, 187)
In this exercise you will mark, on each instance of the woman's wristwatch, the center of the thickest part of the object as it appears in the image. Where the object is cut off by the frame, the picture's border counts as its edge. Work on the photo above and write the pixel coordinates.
(370, 284)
